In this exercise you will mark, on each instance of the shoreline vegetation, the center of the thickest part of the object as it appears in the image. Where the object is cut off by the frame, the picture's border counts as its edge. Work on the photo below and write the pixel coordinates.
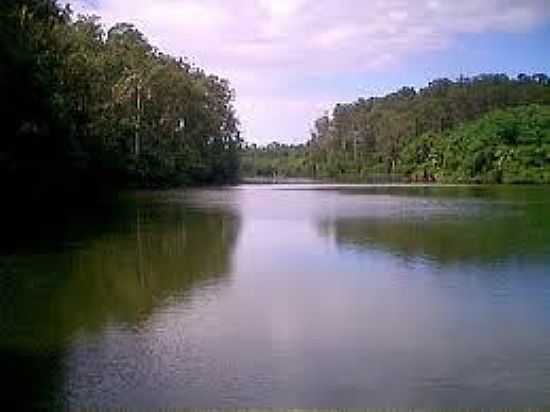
(89, 111)
(486, 129)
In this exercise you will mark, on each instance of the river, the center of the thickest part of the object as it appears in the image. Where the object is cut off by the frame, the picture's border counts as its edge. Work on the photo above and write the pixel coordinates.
(284, 296)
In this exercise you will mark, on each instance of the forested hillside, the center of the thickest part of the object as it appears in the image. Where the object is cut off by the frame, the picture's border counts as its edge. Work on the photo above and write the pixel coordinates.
(83, 107)
(505, 146)
(383, 135)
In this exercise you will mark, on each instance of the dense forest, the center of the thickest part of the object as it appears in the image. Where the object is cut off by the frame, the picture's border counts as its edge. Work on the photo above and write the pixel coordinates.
(504, 146)
(87, 108)
(84, 108)
(375, 135)
(489, 128)
(274, 160)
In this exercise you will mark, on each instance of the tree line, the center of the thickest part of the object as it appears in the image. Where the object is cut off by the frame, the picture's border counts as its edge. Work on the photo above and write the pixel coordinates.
(84, 107)
(504, 146)
(378, 135)
(274, 160)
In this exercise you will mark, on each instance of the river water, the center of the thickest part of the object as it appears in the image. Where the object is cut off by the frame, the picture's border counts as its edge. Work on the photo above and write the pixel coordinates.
(283, 296)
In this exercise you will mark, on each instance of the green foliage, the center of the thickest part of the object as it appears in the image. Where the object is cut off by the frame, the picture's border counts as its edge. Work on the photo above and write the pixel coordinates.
(83, 106)
(505, 146)
(274, 160)
(373, 136)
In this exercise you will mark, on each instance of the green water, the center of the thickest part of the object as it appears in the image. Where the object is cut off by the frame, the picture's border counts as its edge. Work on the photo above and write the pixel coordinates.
(283, 296)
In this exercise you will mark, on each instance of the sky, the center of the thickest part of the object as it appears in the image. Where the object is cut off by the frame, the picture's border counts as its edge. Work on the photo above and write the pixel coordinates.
(291, 61)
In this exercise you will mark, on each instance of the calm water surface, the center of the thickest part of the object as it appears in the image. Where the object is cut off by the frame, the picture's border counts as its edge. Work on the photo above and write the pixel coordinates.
(284, 296)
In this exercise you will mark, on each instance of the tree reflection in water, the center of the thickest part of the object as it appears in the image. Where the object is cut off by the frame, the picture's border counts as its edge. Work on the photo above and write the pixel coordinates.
(98, 274)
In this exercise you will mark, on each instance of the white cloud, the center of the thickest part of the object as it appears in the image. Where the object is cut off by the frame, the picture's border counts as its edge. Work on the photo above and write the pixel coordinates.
(264, 46)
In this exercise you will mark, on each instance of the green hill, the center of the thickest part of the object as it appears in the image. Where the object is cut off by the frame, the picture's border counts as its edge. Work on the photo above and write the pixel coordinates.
(402, 133)
(505, 146)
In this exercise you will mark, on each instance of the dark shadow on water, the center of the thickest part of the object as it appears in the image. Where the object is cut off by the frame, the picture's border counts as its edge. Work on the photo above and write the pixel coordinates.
(33, 381)
(89, 271)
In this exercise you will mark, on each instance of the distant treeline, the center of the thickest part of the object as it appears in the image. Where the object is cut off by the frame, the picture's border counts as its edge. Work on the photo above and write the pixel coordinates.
(274, 160)
(374, 135)
(84, 108)
(429, 134)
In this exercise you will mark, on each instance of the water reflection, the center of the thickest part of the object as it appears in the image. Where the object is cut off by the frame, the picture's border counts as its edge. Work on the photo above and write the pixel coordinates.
(298, 296)
(113, 273)
(449, 226)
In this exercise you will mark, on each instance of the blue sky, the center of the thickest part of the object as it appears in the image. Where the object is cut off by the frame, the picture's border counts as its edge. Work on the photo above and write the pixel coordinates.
(290, 61)
(468, 55)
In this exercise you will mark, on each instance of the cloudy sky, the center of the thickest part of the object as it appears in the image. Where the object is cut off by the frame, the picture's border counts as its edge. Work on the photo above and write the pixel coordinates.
(291, 60)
